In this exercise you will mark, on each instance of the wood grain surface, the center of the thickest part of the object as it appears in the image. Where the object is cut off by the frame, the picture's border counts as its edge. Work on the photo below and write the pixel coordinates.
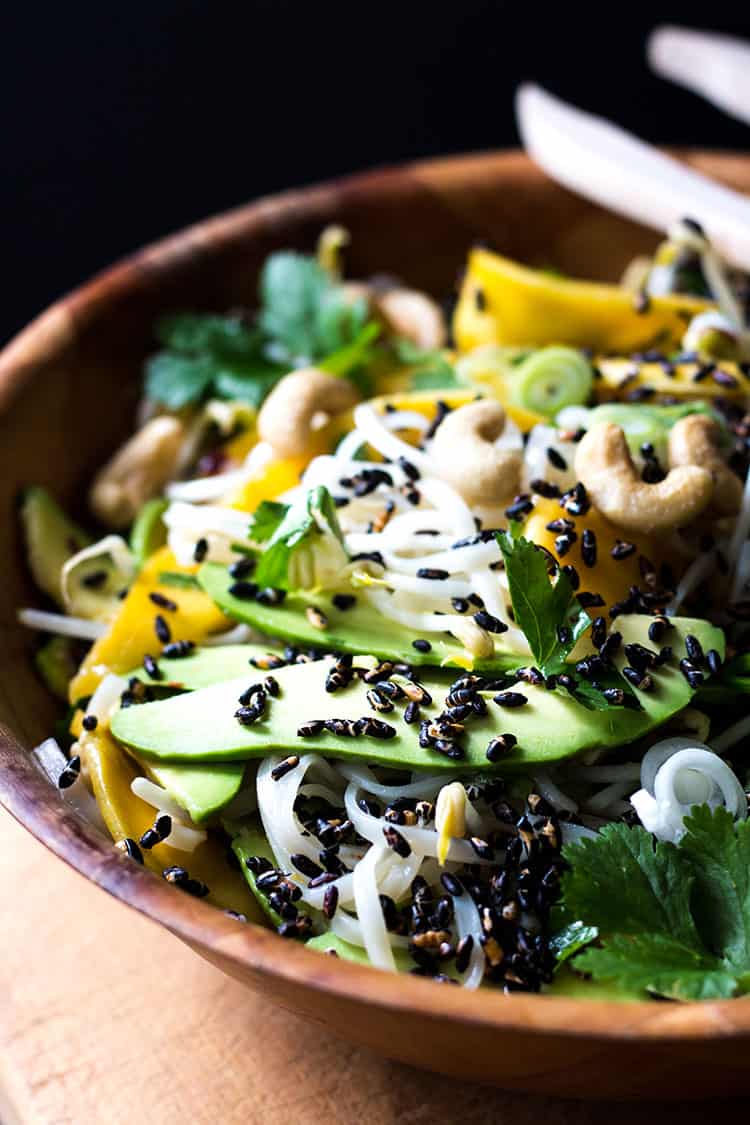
(106, 1019)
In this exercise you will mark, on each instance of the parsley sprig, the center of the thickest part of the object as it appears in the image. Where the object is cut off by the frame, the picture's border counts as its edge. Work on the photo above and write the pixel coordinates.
(673, 920)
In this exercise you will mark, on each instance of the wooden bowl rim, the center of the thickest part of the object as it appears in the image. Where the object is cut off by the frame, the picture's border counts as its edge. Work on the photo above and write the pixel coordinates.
(26, 794)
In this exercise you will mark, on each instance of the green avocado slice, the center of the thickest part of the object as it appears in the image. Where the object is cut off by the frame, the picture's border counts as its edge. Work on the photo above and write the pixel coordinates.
(204, 666)
(51, 539)
(552, 726)
(202, 790)
(251, 840)
(359, 629)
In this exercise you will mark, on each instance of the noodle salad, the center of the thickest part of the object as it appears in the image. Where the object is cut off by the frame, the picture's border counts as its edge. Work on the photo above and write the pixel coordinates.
(424, 639)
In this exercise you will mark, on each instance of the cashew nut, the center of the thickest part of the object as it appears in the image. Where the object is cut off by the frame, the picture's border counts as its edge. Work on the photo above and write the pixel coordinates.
(694, 440)
(605, 468)
(288, 416)
(466, 456)
(137, 472)
(413, 315)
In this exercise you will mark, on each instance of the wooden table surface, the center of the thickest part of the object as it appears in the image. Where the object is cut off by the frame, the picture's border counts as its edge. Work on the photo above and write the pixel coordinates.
(105, 1018)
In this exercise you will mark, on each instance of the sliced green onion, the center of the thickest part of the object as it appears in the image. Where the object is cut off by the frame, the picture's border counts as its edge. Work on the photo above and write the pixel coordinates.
(550, 379)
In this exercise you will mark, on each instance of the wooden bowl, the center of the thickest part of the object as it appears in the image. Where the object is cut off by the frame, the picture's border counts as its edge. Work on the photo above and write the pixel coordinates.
(68, 385)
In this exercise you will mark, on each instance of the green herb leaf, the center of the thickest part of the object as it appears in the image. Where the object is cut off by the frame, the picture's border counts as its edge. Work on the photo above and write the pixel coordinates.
(673, 920)
(266, 520)
(305, 550)
(431, 370)
(304, 313)
(177, 380)
(209, 355)
(541, 608)
(571, 939)
(719, 851)
(659, 964)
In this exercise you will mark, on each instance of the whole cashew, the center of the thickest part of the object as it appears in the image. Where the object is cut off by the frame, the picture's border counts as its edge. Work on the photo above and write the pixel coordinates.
(605, 468)
(466, 456)
(138, 471)
(414, 315)
(286, 418)
(694, 440)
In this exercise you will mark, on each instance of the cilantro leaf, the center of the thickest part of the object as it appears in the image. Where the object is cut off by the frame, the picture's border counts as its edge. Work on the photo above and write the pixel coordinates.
(209, 355)
(305, 318)
(304, 313)
(622, 883)
(305, 549)
(177, 380)
(431, 369)
(266, 520)
(719, 851)
(571, 939)
(542, 608)
(657, 963)
(673, 920)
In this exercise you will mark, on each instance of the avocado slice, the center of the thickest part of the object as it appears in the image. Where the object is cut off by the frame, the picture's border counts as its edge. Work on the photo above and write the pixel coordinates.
(552, 726)
(51, 539)
(202, 790)
(204, 666)
(332, 943)
(57, 663)
(148, 532)
(359, 629)
(251, 840)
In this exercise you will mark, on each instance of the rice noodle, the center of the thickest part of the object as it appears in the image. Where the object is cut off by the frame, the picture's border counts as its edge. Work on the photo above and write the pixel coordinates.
(423, 788)
(422, 622)
(238, 635)
(106, 697)
(692, 577)
(369, 910)
(469, 924)
(156, 796)
(379, 436)
(731, 736)
(686, 777)
(552, 793)
(422, 840)
(61, 625)
(741, 530)
(51, 761)
(611, 794)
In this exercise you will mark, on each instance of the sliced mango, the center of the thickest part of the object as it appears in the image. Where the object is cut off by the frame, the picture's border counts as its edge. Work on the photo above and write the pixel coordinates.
(131, 634)
(620, 377)
(609, 577)
(502, 302)
(111, 772)
(425, 402)
(277, 477)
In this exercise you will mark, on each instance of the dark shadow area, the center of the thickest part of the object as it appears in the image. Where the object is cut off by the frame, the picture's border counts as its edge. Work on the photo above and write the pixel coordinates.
(122, 123)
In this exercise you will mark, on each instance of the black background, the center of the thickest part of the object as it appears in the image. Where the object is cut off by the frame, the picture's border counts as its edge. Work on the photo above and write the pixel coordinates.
(120, 123)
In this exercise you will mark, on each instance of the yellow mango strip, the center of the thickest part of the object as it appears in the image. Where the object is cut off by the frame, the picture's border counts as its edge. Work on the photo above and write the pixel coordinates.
(425, 403)
(238, 447)
(609, 577)
(131, 634)
(621, 376)
(110, 773)
(502, 302)
(275, 478)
